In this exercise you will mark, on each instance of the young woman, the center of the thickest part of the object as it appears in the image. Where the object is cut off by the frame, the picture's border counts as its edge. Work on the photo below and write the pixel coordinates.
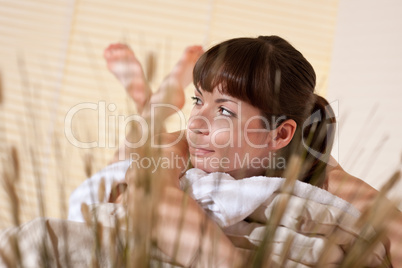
(254, 101)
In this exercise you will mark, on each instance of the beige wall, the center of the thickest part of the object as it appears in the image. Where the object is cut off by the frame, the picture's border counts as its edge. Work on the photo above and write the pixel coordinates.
(366, 81)
(51, 60)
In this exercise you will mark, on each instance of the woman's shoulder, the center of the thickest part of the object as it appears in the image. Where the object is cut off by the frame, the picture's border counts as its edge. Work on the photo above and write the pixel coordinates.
(348, 187)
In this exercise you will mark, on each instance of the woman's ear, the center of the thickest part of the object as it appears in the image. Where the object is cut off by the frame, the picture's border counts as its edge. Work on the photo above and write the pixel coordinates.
(282, 135)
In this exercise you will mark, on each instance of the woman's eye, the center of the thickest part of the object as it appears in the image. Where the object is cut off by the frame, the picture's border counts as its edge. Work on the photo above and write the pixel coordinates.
(226, 112)
(196, 101)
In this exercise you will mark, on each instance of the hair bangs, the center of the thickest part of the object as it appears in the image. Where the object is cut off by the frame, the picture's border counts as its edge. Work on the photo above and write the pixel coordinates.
(229, 69)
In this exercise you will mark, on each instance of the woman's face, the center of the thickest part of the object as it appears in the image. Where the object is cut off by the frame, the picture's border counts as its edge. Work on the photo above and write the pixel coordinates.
(228, 135)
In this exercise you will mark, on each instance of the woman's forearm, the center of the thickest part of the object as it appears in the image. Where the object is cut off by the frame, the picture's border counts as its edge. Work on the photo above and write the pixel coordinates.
(175, 140)
(185, 233)
(182, 229)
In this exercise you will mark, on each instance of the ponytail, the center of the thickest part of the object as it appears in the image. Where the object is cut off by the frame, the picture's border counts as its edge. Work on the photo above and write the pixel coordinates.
(312, 142)
(318, 132)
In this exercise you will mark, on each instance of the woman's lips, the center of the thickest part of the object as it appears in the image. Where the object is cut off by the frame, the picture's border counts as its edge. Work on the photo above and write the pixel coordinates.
(200, 152)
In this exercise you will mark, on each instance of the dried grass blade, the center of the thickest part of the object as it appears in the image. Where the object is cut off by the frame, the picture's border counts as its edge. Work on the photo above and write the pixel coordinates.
(1, 89)
(86, 214)
(101, 190)
(150, 66)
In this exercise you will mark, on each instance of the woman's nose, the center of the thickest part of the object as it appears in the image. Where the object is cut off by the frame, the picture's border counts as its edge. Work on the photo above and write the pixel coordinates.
(199, 124)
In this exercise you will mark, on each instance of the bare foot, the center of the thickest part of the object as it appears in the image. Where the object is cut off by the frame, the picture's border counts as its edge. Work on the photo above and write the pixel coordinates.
(172, 89)
(183, 70)
(122, 62)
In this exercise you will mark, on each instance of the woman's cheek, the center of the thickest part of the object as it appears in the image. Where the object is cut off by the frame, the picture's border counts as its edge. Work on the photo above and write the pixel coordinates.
(256, 140)
(223, 138)
(223, 132)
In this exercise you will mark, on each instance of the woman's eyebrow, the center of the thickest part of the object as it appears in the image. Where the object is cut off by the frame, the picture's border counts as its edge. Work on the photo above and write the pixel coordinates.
(224, 100)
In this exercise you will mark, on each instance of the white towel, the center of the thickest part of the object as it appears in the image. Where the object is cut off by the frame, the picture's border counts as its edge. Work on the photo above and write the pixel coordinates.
(229, 201)
(226, 199)
(87, 192)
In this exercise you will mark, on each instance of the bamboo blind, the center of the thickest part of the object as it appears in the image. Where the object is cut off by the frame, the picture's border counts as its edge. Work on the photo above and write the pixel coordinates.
(51, 61)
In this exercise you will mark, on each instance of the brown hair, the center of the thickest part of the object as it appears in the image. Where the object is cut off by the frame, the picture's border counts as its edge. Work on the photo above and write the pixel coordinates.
(270, 74)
